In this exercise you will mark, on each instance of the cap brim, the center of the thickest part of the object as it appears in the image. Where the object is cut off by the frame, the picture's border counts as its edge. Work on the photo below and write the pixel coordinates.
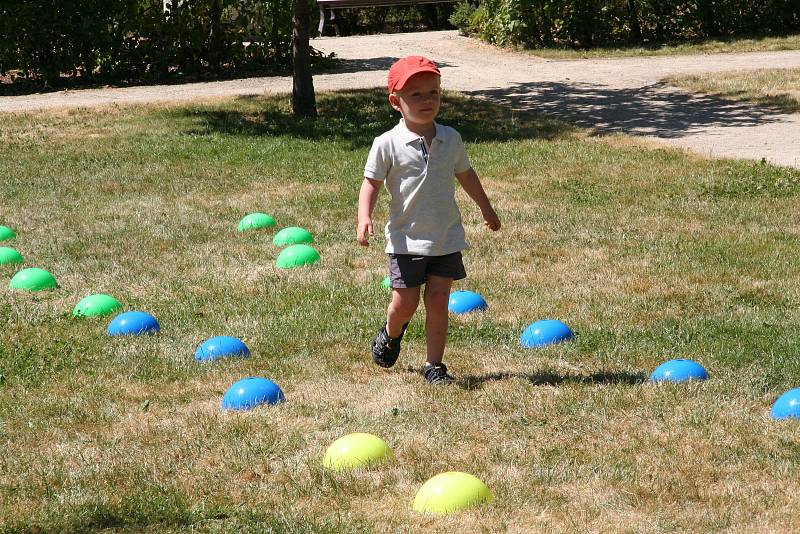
(405, 77)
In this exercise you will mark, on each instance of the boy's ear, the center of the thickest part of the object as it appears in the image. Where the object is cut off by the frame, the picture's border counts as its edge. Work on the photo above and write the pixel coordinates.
(394, 102)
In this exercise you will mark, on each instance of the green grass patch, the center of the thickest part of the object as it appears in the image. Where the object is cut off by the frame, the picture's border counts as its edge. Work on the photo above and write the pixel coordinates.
(649, 254)
(704, 46)
(775, 88)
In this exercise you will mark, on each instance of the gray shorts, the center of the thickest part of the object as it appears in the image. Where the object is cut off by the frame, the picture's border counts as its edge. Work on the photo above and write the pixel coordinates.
(409, 270)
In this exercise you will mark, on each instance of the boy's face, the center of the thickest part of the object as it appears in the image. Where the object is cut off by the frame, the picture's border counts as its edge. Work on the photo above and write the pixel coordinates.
(418, 100)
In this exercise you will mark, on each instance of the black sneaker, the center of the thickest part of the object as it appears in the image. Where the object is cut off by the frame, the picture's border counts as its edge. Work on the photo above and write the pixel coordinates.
(385, 349)
(437, 374)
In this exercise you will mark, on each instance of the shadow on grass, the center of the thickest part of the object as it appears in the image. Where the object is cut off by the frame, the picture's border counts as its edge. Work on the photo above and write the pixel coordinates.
(785, 103)
(475, 382)
(545, 378)
(356, 117)
(23, 86)
(659, 109)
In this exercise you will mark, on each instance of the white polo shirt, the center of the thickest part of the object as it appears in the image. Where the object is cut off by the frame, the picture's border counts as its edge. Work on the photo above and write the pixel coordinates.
(423, 215)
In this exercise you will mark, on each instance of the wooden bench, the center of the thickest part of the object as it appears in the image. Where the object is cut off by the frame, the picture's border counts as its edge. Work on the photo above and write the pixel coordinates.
(326, 7)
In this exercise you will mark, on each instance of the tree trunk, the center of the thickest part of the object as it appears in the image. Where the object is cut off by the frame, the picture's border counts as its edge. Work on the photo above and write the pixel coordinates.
(431, 16)
(636, 28)
(277, 53)
(216, 39)
(303, 100)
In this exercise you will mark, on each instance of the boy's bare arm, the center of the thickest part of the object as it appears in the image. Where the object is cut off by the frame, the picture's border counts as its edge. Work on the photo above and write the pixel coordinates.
(472, 185)
(367, 198)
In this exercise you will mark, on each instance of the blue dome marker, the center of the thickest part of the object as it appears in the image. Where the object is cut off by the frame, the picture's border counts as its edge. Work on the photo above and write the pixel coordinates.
(545, 332)
(133, 323)
(787, 406)
(248, 393)
(678, 371)
(466, 302)
(219, 347)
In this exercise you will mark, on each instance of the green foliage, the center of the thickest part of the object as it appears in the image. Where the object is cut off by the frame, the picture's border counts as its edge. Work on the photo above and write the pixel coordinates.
(537, 23)
(462, 15)
(139, 39)
(389, 19)
(51, 37)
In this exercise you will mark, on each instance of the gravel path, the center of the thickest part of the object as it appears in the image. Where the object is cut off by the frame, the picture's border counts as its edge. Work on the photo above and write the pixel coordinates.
(608, 95)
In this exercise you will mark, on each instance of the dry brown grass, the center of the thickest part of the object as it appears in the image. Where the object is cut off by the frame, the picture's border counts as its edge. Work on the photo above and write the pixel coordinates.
(777, 88)
(643, 252)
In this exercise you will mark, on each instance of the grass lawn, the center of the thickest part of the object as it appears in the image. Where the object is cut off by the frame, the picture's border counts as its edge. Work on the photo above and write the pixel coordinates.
(778, 88)
(648, 254)
(705, 46)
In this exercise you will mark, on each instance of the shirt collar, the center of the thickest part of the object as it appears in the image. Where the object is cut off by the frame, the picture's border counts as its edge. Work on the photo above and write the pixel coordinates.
(407, 136)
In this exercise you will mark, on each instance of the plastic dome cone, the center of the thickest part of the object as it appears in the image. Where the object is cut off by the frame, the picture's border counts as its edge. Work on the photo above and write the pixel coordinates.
(254, 221)
(9, 256)
(133, 323)
(545, 332)
(787, 406)
(96, 305)
(6, 233)
(221, 347)
(293, 235)
(296, 256)
(247, 393)
(678, 371)
(33, 279)
(356, 450)
(451, 492)
(465, 302)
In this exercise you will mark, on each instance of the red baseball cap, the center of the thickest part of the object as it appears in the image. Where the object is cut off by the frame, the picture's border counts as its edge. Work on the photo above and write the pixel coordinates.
(405, 68)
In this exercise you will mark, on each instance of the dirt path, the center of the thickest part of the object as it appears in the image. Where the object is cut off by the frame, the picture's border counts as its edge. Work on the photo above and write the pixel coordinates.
(609, 95)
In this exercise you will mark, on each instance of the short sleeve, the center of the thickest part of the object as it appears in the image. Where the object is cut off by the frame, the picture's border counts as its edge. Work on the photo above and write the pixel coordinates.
(462, 163)
(378, 162)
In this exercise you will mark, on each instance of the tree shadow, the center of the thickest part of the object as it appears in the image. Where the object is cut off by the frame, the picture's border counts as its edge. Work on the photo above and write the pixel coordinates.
(344, 66)
(536, 110)
(356, 117)
(24, 86)
(657, 110)
(546, 378)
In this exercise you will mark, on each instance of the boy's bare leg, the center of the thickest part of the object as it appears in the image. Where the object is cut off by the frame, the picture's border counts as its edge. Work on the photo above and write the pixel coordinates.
(437, 295)
(401, 309)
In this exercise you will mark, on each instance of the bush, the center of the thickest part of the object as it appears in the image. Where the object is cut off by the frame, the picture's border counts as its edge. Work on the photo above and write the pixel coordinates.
(588, 23)
(388, 19)
(47, 38)
(118, 39)
(462, 15)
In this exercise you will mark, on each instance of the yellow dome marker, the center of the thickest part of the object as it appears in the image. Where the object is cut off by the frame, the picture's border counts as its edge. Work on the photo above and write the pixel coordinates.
(451, 492)
(356, 450)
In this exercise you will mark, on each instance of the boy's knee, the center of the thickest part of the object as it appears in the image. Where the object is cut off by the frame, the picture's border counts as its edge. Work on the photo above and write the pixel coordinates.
(437, 298)
(405, 307)
(407, 310)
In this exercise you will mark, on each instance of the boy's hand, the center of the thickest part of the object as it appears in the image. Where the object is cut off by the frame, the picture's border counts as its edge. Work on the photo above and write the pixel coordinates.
(364, 229)
(491, 219)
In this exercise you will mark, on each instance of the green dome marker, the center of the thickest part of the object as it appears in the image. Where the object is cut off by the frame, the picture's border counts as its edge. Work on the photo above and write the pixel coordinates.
(33, 279)
(386, 283)
(6, 233)
(9, 255)
(293, 235)
(296, 256)
(96, 305)
(254, 221)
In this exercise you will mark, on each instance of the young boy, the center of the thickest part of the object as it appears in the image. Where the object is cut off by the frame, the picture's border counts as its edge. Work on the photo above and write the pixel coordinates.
(417, 161)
